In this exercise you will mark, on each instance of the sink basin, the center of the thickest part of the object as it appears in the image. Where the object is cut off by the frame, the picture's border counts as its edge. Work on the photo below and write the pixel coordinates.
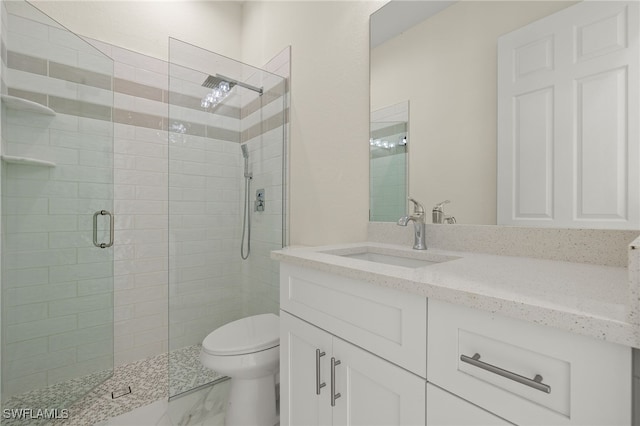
(392, 256)
(407, 262)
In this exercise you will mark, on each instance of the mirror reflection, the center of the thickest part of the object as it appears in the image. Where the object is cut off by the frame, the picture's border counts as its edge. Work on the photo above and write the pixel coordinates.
(522, 113)
(388, 163)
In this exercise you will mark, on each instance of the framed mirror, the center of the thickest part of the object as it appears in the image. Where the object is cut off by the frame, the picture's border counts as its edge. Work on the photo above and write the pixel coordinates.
(522, 112)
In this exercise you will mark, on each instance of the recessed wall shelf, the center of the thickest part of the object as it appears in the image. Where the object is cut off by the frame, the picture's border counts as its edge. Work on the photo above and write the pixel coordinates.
(26, 161)
(21, 104)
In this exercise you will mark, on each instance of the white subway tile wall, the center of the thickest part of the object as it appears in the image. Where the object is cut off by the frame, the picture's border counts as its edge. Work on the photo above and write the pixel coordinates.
(141, 208)
(388, 167)
(57, 292)
(388, 177)
(209, 283)
(187, 191)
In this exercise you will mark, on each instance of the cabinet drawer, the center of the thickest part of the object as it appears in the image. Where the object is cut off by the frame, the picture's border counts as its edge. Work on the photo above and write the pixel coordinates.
(445, 409)
(389, 323)
(526, 373)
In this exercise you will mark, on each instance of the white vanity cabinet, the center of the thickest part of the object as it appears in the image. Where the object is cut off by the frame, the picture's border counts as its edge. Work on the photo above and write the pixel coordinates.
(374, 340)
(476, 367)
(366, 389)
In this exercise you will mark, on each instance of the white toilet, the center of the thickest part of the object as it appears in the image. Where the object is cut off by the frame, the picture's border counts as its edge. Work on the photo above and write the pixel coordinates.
(248, 351)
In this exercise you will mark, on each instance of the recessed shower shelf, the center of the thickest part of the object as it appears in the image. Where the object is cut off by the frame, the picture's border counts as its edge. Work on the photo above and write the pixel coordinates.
(26, 161)
(26, 105)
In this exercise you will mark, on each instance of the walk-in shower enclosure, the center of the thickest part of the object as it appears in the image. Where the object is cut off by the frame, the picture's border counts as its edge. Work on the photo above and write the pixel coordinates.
(57, 173)
(209, 283)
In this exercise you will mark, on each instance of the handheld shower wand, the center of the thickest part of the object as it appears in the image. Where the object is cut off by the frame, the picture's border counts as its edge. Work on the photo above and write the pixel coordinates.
(245, 154)
(246, 217)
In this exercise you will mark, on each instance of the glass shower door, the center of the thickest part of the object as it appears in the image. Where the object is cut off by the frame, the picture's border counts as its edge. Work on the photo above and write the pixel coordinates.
(57, 205)
(226, 147)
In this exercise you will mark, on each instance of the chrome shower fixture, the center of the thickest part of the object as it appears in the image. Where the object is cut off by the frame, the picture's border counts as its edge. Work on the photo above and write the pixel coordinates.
(221, 87)
(218, 93)
(245, 155)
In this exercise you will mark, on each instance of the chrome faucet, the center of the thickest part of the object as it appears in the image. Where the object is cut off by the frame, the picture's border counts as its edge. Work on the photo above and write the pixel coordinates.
(418, 225)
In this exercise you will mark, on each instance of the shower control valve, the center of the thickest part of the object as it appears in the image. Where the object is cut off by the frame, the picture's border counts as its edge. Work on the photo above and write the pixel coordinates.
(259, 202)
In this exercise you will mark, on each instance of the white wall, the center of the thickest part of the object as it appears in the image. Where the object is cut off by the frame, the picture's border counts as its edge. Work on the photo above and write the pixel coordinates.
(144, 26)
(446, 67)
(329, 112)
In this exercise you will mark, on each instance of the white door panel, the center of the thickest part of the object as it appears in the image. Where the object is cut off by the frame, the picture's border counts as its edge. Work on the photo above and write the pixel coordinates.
(567, 119)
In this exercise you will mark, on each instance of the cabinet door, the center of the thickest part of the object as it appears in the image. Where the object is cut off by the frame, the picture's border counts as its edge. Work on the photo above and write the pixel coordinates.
(445, 409)
(374, 391)
(299, 402)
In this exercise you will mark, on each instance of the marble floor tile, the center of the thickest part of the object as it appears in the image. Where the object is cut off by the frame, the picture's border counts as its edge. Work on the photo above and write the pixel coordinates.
(199, 408)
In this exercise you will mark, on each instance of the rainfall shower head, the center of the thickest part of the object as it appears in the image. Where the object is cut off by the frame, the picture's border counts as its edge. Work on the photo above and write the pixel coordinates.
(245, 151)
(221, 88)
(212, 81)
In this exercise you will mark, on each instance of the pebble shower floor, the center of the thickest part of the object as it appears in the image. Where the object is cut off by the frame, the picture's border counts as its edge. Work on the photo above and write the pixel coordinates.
(148, 379)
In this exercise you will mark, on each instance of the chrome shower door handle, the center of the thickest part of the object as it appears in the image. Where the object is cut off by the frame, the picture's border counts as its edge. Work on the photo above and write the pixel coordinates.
(95, 229)
(334, 395)
(318, 384)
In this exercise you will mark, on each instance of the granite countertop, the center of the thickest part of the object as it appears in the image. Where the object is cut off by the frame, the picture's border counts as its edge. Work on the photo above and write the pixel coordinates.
(587, 299)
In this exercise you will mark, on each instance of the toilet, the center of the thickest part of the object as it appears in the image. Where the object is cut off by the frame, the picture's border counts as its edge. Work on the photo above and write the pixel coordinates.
(247, 351)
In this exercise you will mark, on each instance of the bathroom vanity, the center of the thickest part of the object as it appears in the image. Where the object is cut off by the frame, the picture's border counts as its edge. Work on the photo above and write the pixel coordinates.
(375, 333)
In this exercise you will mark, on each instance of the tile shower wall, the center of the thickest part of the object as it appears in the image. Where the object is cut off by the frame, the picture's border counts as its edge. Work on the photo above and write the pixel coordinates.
(388, 176)
(205, 211)
(217, 286)
(140, 191)
(204, 193)
(140, 177)
(57, 288)
(260, 274)
(388, 166)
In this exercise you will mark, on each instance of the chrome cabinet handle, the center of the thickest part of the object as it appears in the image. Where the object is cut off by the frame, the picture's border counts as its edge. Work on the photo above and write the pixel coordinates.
(95, 229)
(535, 383)
(318, 384)
(334, 395)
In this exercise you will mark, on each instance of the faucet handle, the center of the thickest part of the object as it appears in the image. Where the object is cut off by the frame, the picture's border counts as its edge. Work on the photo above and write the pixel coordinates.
(418, 208)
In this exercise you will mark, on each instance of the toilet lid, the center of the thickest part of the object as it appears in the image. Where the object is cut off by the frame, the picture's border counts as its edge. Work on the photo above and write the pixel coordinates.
(244, 336)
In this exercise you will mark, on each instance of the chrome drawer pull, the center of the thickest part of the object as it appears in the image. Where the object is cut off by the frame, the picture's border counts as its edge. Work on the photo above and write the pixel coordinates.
(535, 383)
(334, 395)
(318, 384)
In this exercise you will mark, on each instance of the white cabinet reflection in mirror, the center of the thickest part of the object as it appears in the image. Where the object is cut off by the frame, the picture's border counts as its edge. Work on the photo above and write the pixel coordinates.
(568, 139)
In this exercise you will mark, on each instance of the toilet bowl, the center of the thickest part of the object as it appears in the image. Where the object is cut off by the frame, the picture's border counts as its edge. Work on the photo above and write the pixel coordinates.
(247, 351)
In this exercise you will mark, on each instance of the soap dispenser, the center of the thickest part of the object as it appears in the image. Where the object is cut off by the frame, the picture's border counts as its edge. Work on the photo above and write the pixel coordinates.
(438, 216)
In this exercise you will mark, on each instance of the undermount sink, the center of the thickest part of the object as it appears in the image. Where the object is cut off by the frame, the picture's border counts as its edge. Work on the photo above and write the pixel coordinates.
(407, 262)
(395, 257)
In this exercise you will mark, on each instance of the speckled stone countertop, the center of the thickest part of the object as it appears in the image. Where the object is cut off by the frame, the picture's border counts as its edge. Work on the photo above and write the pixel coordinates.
(591, 300)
